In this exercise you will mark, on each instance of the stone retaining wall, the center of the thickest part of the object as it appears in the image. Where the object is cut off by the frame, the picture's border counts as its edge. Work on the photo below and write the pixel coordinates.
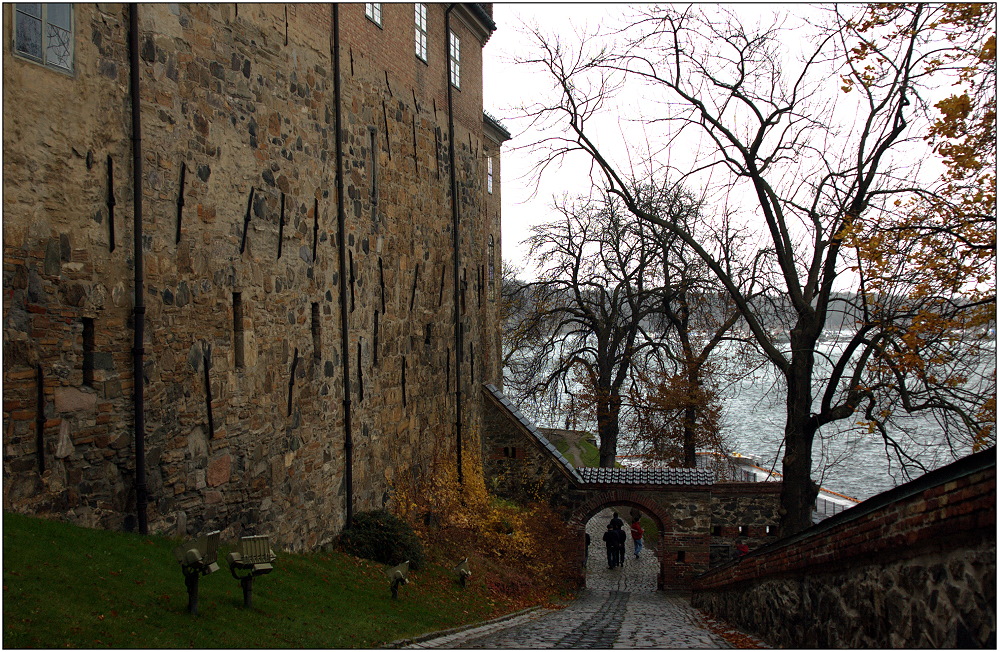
(911, 568)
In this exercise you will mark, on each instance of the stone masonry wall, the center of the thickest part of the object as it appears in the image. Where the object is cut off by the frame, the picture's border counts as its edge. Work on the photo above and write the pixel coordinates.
(238, 100)
(914, 570)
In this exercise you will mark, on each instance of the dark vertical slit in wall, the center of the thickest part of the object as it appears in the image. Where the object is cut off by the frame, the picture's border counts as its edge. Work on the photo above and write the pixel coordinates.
(139, 301)
(447, 370)
(281, 230)
(360, 374)
(180, 200)
(88, 351)
(412, 293)
(315, 226)
(291, 380)
(374, 350)
(40, 419)
(403, 381)
(440, 297)
(111, 203)
(237, 329)
(246, 220)
(348, 438)
(206, 357)
(388, 141)
(351, 53)
(350, 257)
(471, 361)
(286, 24)
(381, 282)
(388, 86)
(317, 332)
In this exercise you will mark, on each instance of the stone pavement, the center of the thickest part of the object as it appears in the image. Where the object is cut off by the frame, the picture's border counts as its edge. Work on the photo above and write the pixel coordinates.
(620, 608)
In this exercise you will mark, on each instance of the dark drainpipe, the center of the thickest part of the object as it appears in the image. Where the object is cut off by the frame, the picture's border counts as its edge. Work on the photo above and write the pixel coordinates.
(455, 242)
(139, 309)
(341, 239)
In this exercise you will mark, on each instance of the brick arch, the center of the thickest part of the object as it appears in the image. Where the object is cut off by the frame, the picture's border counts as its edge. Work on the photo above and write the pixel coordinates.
(600, 500)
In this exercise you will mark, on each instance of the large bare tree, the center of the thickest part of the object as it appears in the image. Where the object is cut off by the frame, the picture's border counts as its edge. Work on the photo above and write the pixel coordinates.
(761, 123)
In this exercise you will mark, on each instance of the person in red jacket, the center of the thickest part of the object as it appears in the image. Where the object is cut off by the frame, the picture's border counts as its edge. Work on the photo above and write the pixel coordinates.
(637, 533)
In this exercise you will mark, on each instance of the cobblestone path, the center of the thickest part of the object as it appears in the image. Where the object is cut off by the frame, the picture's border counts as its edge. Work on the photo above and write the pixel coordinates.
(620, 608)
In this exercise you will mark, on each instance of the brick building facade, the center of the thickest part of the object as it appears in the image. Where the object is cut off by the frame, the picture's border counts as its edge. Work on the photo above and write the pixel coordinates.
(290, 376)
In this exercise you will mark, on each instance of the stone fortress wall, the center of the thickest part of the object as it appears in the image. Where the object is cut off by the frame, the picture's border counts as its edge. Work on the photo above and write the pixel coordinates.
(241, 261)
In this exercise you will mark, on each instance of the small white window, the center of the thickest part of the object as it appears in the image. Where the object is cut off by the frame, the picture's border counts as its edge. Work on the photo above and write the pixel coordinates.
(489, 175)
(44, 33)
(421, 31)
(373, 10)
(454, 53)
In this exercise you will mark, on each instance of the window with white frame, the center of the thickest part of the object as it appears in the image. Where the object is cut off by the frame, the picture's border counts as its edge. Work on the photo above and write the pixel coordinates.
(454, 54)
(489, 175)
(373, 11)
(44, 33)
(421, 31)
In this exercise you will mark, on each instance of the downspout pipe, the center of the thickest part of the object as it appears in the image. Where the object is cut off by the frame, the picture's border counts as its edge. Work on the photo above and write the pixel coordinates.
(455, 244)
(139, 308)
(341, 239)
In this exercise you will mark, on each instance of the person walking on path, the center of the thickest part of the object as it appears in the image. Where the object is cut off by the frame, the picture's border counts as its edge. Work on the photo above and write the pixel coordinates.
(610, 538)
(637, 533)
(616, 522)
(620, 539)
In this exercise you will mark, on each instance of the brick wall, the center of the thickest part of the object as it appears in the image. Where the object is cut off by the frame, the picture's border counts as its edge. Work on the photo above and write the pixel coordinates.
(913, 567)
(242, 97)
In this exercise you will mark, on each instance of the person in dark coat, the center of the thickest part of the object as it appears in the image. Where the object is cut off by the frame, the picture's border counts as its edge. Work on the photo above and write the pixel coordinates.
(619, 540)
(610, 539)
(616, 522)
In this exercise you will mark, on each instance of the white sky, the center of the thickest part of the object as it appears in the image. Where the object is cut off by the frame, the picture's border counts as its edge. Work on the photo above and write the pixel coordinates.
(507, 86)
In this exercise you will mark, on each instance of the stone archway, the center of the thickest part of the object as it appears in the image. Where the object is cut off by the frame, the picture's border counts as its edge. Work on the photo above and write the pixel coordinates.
(601, 500)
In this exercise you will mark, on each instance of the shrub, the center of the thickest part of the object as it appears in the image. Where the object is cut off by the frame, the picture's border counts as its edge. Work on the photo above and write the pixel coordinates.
(383, 537)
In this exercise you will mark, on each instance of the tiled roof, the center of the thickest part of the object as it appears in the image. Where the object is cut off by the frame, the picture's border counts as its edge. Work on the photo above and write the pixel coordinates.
(524, 421)
(675, 476)
(584, 476)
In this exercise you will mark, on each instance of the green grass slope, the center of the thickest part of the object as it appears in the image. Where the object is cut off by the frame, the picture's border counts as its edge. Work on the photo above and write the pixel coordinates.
(66, 586)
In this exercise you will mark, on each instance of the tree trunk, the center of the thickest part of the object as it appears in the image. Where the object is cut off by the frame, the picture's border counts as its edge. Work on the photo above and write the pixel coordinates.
(608, 412)
(689, 436)
(690, 414)
(798, 492)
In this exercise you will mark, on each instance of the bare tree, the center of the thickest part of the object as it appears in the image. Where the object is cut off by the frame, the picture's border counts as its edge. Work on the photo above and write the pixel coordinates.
(593, 299)
(814, 162)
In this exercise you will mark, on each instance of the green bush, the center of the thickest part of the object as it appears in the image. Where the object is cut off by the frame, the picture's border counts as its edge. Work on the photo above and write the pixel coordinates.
(383, 537)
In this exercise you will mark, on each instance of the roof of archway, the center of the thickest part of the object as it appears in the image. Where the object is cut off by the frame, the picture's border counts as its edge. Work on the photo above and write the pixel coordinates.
(591, 478)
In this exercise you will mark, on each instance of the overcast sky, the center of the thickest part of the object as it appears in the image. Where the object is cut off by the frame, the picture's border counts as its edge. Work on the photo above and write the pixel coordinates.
(507, 86)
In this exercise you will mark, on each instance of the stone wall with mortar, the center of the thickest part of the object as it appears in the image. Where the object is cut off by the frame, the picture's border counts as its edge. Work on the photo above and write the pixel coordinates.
(913, 567)
(239, 99)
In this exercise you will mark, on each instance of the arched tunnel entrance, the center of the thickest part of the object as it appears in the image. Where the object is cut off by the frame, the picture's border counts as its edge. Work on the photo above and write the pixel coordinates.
(647, 570)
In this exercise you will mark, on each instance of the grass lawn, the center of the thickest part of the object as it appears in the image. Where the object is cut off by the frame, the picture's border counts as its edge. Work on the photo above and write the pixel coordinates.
(66, 586)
